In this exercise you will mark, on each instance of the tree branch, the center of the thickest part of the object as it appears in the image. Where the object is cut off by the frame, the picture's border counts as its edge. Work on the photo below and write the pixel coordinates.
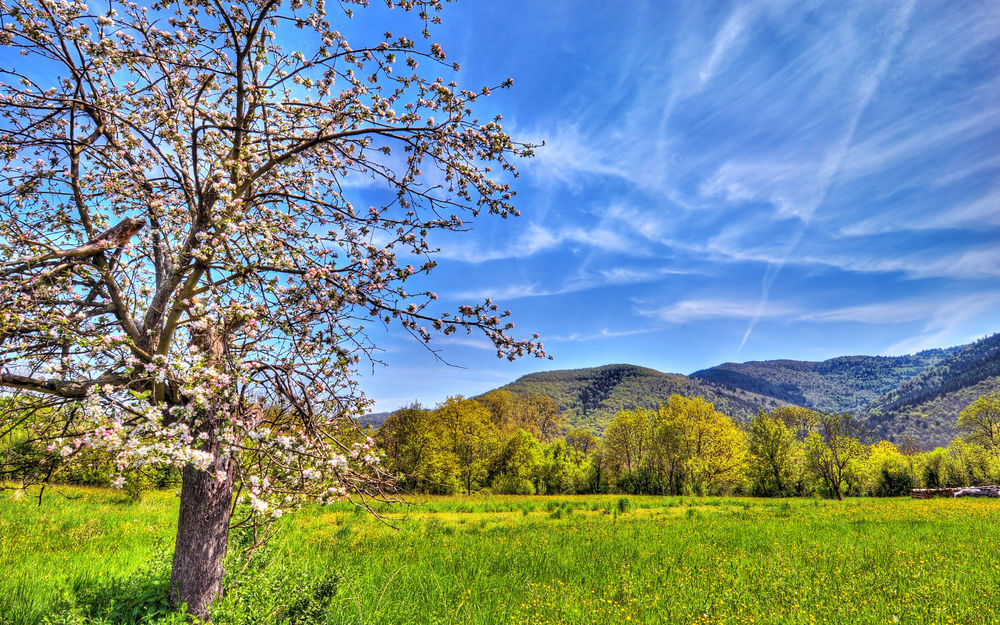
(112, 238)
(60, 388)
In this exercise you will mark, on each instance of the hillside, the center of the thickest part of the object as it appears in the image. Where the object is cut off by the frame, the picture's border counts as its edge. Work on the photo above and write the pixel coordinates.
(930, 422)
(590, 397)
(843, 384)
(917, 396)
(926, 405)
(374, 419)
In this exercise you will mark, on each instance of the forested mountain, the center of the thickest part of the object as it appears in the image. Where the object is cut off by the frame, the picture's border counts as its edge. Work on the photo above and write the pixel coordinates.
(590, 397)
(843, 384)
(374, 419)
(925, 406)
(930, 421)
(917, 396)
(965, 366)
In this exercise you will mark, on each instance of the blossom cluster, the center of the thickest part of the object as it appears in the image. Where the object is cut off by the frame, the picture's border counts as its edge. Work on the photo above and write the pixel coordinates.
(192, 270)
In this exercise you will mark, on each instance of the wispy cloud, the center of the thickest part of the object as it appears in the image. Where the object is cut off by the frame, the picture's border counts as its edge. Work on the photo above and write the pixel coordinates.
(700, 309)
(505, 292)
(943, 320)
(899, 143)
(569, 152)
(947, 323)
(471, 340)
(532, 240)
(808, 199)
(603, 333)
(976, 214)
(583, 280)
(616, 229)
(726, 40)
(877, 313)
(793, 185)
(972, 263)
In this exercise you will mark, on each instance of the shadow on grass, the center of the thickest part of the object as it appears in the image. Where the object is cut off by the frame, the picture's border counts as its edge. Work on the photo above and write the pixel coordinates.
(20, 602)
(263, 590)
(143, 597)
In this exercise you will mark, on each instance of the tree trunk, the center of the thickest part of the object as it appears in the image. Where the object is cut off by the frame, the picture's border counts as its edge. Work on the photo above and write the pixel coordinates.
(202, 536)
(835, 487)
(777, 479)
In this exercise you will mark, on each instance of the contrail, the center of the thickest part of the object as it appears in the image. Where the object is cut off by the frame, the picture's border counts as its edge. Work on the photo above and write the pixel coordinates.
(833, 162)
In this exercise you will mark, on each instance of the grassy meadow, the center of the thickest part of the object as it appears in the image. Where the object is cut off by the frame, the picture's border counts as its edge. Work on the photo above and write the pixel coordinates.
(94, 556)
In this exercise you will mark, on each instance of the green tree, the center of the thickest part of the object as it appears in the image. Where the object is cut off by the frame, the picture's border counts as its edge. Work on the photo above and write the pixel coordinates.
(973, 461)
(472, 436)
(831, 450)
(540, 415)
(887, 471)
(416, 447)
(713, 449)
(582, 440)
(502, 405)
(599, 470)
(516, 465)
(563, 469)
(980, 421)
(668, 453)
(940, 469)
(800, 421)
(773, 451)
(627, 439)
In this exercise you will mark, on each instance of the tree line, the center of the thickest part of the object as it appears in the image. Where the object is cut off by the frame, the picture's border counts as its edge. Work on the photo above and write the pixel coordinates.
(505, 443)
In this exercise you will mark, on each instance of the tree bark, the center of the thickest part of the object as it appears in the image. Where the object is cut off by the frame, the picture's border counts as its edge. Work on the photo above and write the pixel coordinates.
(202, 536)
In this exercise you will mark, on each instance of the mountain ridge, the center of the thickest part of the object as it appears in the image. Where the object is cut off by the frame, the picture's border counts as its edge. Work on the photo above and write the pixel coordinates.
(841, 384)
(915, 396)
(591, 396)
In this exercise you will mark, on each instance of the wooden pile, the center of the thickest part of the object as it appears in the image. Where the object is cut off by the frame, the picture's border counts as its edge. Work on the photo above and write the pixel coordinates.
(930, 493)
(979, 491)
(965, 491)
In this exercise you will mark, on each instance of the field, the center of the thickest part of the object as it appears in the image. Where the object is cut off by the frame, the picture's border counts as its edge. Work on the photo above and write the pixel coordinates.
(89, 555)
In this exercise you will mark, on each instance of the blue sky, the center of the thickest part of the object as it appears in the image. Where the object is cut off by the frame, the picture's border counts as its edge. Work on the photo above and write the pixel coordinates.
(726, 182)
(720, 182)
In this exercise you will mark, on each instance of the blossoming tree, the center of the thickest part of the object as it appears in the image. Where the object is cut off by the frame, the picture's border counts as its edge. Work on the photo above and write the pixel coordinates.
(192, 261)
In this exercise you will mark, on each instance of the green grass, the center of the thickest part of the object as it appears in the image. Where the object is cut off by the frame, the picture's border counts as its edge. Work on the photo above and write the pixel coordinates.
(593, 559)
(76, 537)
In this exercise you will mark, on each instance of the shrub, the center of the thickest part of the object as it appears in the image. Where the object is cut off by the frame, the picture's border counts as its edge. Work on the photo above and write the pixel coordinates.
(893, 481)
(143, 597)
(513, 485)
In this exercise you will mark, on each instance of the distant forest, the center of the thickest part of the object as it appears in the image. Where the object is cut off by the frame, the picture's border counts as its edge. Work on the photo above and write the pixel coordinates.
(502, 442)
(915, 397)
(853, 425)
